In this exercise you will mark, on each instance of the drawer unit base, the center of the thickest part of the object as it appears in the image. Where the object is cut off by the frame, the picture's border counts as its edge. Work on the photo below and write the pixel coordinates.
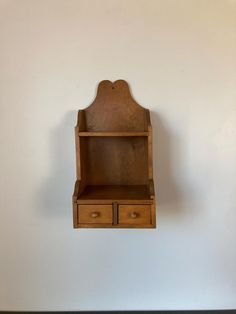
(114, 215)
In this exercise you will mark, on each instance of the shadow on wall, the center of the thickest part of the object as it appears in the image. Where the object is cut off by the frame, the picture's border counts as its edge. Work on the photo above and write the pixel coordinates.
(55, 194)
(167, 152)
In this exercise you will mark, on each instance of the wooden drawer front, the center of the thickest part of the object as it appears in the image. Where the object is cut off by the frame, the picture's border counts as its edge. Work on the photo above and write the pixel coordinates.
(95, 214)
(134, 214)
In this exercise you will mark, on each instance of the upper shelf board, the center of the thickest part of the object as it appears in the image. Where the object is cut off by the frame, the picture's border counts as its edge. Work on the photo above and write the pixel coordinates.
(113, 134)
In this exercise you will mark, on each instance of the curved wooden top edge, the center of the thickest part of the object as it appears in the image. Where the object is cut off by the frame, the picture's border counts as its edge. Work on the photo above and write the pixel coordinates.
(106, 86)
(117, 83)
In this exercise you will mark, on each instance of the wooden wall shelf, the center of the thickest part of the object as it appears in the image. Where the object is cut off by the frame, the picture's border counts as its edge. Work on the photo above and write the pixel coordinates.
(114, 186)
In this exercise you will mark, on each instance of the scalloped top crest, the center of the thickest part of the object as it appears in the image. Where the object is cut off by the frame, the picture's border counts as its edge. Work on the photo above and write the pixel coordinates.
(114, 109)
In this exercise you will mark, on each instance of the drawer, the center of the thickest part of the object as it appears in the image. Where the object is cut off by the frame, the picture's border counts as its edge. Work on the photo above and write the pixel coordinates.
(134, 214)
(95, 214)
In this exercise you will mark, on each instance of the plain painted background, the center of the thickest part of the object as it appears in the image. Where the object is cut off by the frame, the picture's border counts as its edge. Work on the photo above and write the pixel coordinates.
(179, 58)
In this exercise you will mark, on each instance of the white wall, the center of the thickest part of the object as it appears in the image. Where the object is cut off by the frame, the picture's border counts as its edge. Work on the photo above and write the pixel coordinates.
(179, 58)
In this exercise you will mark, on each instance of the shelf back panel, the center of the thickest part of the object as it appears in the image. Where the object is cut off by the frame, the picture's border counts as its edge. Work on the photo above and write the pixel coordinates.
(116, 161)
(114, 109)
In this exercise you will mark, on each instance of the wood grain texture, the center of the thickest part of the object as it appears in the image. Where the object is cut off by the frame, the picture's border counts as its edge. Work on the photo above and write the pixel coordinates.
(115, 192)
(101, 214)
(113, 134)
(134, 214)
(126, 156)
(120, 112)
(114, 160)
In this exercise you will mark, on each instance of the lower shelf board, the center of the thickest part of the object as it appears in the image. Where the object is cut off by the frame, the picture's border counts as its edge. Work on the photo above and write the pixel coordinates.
(115, 192)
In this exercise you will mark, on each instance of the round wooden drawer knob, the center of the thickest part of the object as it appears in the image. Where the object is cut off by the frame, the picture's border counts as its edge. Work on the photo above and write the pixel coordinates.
(133, 215)
(94, 214)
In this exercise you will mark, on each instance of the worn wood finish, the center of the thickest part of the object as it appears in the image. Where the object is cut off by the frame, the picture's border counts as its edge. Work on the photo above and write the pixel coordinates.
(114, 109)
(134, 214)
(101, 214)
(113, 134)
(115, 192)
(114, 162)
(118, 226)
(111, 201)
(126, 156)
